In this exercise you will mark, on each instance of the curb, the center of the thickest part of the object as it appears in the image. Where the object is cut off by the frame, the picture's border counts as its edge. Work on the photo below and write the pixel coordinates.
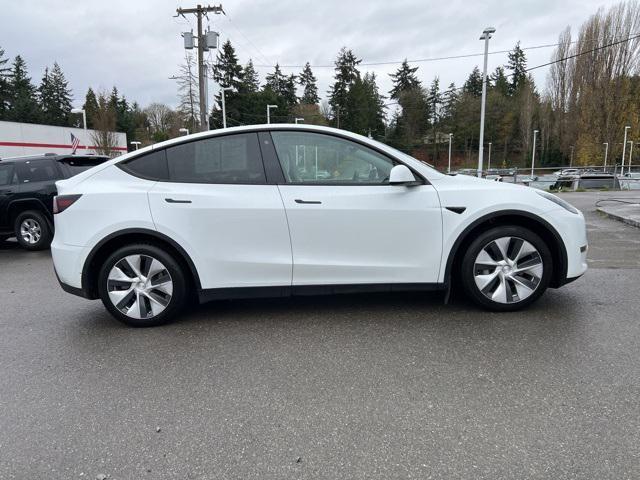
(620, 218)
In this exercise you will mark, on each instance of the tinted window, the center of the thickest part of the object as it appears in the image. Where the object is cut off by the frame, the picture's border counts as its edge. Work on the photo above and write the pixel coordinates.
(308, 157)
(152, 166)
(37, 171)
(227, 159)
(77, 165)
(7, 175)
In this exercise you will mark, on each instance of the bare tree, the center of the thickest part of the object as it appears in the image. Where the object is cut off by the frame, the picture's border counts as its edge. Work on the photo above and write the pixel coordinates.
(189, 107)
(163, 122)
(104, 124)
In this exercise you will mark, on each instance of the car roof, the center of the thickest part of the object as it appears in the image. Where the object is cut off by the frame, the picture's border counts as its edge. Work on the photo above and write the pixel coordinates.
(55, 156)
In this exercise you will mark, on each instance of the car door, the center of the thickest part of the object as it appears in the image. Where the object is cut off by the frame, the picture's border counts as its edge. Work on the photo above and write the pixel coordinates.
(347, 224)
(218, 204)
(8, 187)
(36, 179)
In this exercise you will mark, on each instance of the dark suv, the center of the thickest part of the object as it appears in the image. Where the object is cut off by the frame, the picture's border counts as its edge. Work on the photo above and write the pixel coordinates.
(27, 188)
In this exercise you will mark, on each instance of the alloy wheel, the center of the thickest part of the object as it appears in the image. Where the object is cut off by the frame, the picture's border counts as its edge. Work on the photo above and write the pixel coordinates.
(508, 270)
(30, 231)
(140, 286)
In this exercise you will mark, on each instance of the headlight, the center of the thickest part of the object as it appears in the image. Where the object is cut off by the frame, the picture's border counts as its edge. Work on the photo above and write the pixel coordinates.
(558, 201)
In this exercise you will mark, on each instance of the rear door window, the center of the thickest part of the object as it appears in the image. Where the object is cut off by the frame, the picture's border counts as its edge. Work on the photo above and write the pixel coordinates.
(225, 159)
(39, 170)
(7, 174)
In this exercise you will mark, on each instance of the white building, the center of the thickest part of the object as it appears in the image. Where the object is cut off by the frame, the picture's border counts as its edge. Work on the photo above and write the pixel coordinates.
(31, 139)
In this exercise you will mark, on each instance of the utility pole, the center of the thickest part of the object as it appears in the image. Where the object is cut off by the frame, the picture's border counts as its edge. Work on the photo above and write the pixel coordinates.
(571, 157)
(606, 152)
(533, 153)
(624, 148)
(224, 108)
(199, 12)
(486, 35)
(449, 168)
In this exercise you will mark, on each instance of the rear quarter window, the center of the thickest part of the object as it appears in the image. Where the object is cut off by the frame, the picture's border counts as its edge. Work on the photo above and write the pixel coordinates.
(152, 166)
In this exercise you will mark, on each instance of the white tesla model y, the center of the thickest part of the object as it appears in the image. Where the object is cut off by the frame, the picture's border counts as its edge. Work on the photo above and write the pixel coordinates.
(276, 210)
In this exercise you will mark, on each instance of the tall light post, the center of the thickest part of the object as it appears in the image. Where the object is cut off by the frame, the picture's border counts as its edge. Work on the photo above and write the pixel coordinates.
(606, 152)
(184, 130)
(224, 107)
(84, 115)
(489, 157)
(449, 168)
(533, 153)
(571, 157)
(299, 120)
(136, 144)
(624, 148)
(269, 107)
(486, 35)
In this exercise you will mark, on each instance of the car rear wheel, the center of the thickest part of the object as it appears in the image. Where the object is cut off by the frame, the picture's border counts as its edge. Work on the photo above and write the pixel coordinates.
(32, 230)
(142, 285)
(506, 268)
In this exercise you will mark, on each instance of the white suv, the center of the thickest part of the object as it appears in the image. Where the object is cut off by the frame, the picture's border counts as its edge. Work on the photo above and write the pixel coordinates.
(276, 210)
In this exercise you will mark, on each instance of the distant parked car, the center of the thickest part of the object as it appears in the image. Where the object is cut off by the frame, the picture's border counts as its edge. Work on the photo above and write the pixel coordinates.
(586, 181)
(27, 188)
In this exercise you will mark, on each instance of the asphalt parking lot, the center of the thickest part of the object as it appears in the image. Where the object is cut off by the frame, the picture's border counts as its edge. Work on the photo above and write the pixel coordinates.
(355, 386)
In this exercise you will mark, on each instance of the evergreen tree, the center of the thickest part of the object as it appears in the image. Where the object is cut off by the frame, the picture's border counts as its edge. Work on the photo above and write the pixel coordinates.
(227, 72)
(435, 99)
(250, 82)
(55, 97)
(499, 81)
(473, 85)
(346, 73)
(276, 81)
(5, 85)
(23, 99)
(90, 107)
(450, 99)
(289, 92)
(404, 79)
(308, 82)
(518, 65)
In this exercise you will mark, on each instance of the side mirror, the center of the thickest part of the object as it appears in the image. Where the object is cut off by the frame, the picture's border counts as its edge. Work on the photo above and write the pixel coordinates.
(401, 175)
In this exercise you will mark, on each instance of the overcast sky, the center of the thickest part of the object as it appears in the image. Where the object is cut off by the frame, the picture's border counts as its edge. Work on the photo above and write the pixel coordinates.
(136, 45)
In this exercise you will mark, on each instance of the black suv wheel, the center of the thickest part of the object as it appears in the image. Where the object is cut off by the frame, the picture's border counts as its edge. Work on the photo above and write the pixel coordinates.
(32, 230)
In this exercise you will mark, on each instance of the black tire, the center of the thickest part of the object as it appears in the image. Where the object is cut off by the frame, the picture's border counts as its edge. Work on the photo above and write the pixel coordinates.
(468, 269)
(39, 236)
(177, 277)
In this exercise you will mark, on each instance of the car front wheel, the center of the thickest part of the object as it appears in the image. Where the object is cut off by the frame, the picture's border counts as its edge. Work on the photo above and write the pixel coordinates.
(142, 285)
(506, 268)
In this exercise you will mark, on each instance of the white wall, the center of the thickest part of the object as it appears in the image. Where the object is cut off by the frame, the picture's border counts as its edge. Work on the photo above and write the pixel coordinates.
(28, 139)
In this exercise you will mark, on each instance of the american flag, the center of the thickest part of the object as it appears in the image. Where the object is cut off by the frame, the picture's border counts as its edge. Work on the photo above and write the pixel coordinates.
(75, 141)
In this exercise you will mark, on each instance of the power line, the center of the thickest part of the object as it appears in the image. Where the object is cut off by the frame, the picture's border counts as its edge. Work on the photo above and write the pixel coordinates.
(257, 50)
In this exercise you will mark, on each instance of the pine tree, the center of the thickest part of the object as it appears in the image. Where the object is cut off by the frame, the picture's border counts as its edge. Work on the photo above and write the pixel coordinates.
(55, 97)
(404, 79)
(499, 81)
(518, 65)
(90, 107)
(473, 85)
(310, 90)
(250, 81)
(227, 72)
(23, 100)
(435, 99)
(5, 86)
(346, 73)
(289, 92)
(276, 81)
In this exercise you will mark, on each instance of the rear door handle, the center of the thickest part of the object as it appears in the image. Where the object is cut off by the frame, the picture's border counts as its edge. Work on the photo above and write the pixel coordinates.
(309, 202)
(171, 200)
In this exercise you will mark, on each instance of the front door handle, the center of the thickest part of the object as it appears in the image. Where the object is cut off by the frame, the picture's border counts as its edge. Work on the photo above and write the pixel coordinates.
(309, 202)
(171, 200)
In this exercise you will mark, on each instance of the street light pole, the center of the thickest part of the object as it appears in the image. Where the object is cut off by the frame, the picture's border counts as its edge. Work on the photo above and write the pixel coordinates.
(224, 108)
(84, 115)
(299, 120)
(489, 157)
(606, 152)
(486, 35)
(136, 144)
(533, 153)
(571, 157)
(624, 148)
(450, 137)
(269, 107)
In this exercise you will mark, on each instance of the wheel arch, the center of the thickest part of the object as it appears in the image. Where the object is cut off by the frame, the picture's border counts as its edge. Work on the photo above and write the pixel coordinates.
(16, 207)
(118, 239)
(511, 217)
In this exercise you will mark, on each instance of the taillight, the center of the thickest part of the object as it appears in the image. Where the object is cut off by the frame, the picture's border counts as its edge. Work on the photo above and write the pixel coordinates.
(62, 202)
